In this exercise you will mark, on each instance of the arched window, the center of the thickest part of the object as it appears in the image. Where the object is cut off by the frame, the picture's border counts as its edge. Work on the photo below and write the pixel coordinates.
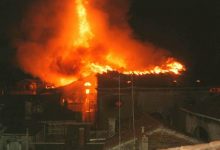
(201, 134)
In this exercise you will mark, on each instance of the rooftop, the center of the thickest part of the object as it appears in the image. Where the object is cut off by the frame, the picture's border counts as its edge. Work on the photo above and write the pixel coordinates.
(158, 135)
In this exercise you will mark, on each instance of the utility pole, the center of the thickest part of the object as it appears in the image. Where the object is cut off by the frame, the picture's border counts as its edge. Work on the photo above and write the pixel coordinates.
(27, 136)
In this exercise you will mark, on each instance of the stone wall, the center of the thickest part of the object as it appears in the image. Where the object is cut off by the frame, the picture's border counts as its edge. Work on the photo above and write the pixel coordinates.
(162, 102)
(201, 126)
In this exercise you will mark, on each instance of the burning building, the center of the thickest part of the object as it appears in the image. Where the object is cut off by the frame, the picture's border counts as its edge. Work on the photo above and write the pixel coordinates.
(72, 41)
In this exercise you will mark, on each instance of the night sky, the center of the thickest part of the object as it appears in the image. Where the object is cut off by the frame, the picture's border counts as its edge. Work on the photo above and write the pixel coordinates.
(189, 29)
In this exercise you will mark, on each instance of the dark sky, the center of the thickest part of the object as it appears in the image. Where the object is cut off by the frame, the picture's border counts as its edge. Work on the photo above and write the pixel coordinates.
(11, 12)
(190, 29)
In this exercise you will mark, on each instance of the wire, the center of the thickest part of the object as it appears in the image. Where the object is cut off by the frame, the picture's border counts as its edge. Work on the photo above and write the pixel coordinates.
(133, 117)
(119, 112)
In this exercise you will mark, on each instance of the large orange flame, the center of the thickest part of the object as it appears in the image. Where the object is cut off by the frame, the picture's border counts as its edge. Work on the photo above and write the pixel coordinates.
(80, 42)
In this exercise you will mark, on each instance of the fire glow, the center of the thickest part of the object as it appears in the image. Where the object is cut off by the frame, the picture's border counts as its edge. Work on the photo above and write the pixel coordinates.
(84, 38)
